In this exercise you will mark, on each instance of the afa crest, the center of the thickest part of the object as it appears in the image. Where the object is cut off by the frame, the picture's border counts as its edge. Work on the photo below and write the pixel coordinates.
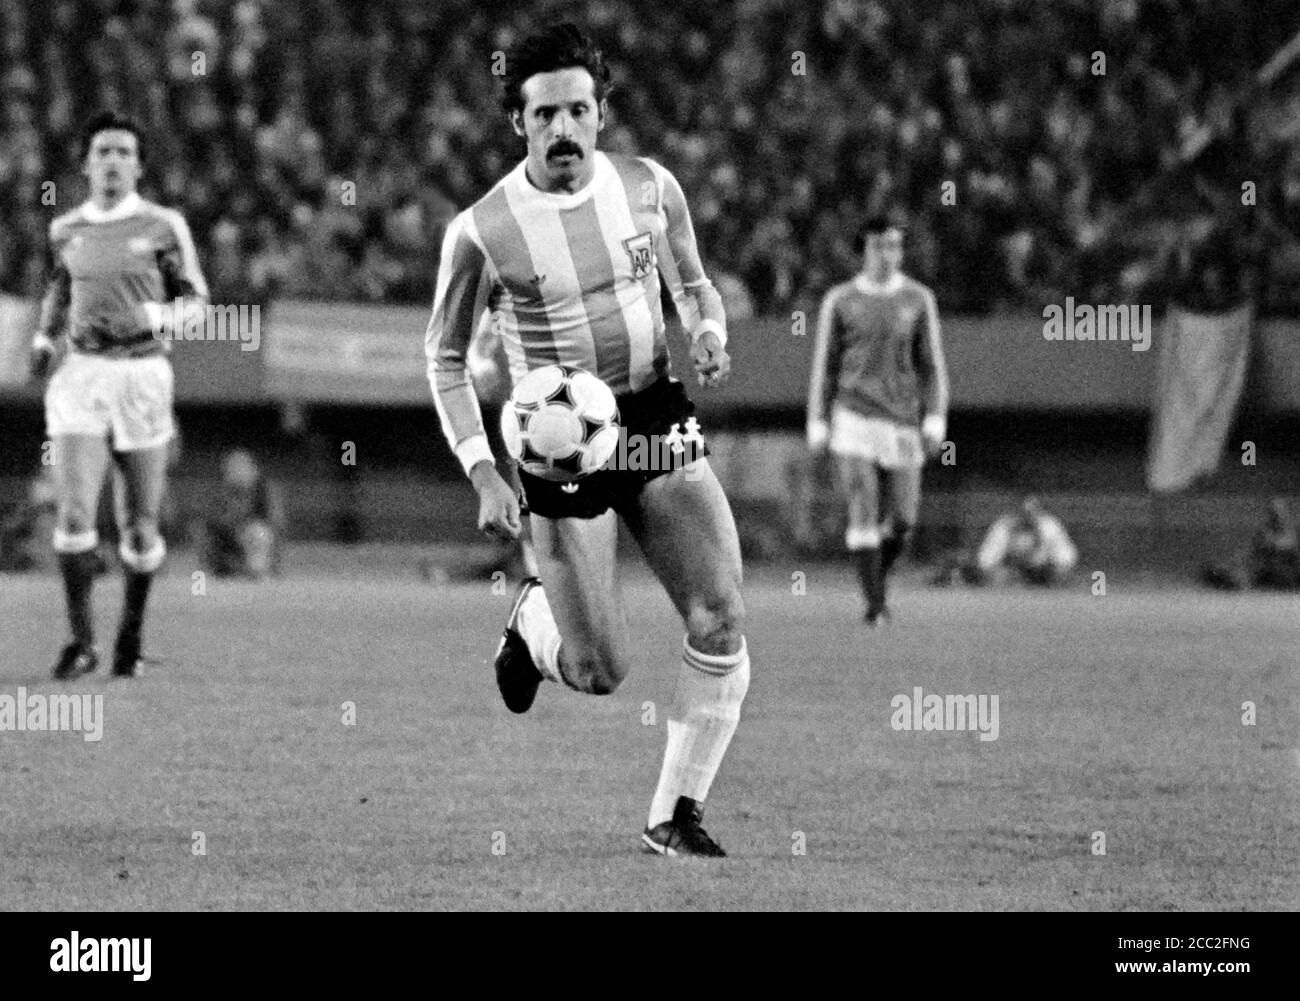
(640, 249)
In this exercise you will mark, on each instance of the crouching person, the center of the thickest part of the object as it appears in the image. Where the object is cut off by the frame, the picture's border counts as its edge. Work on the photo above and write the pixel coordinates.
(245, 534)
(1029, 545)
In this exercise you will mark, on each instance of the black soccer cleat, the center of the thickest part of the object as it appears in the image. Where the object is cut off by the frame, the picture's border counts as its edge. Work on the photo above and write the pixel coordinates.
(74, 661)
(517, 676)
(876, 615)
(682, 835)
(127, 661)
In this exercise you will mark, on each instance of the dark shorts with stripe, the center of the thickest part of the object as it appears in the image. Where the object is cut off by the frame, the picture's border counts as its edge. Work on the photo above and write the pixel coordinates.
(658, 434)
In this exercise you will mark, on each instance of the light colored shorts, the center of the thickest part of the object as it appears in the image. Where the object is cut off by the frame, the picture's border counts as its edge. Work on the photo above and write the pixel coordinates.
(126, 399)
(888, 445)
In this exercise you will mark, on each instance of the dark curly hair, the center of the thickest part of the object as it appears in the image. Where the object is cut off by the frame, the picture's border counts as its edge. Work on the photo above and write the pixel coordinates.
(103, 121)
(556, 47)
(874, 226)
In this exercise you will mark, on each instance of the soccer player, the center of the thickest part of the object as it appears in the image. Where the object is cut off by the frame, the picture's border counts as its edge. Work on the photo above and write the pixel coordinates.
(116, 260)
(879, 401)
(568, 250)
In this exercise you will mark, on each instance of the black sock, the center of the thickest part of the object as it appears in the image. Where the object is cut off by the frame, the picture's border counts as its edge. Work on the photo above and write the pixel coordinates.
(870, 577)
(78, 571)
(892, 547)
(136, 595)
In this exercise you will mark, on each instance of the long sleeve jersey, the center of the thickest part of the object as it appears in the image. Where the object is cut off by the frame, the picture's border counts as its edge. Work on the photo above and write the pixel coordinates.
(569, 278)
(878, 352)
(112, 271)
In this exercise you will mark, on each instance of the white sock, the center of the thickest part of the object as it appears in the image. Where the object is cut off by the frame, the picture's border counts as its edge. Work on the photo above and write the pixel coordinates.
(705, 712)
(537, 627)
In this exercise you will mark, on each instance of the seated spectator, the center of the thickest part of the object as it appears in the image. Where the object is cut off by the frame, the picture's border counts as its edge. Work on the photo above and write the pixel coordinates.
(26, 530)
(1028, 545)
(1272, 562)
(245, 535)
(1274, 552)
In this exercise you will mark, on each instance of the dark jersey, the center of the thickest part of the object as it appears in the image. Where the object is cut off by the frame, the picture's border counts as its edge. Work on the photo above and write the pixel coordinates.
(878, 353)
(113, 271)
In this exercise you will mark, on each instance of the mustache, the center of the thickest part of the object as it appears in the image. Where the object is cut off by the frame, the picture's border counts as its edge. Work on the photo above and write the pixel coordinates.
(564, 148)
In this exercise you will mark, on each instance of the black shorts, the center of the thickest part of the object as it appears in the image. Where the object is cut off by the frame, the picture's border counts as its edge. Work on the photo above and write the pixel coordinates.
(658, 433)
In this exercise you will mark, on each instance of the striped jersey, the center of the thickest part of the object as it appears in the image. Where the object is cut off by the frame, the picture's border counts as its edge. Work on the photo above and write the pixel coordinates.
(108, 264)
(572, 278)
(878, 352)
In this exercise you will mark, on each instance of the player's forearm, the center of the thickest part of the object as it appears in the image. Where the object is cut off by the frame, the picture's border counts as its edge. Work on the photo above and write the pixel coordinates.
(54, 308)
(820, 399)
(459, 299)
(824, 371)
(934, 394)
(932, 376)
(184, 288)
(698, 303)
(178, 265)
(828, 387)
(178, 285)
(701, 309)
(934, 367)
(460, 416)
(168, 320)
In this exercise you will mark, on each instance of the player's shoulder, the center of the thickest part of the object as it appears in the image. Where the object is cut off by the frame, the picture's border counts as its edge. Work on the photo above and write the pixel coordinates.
(62, 226)
(838, 293)
(472, 229)
(638, 171)
(490, 214)
(919, 289)
(494, 194)
(162, 220)
(627, 163)
(162, 213)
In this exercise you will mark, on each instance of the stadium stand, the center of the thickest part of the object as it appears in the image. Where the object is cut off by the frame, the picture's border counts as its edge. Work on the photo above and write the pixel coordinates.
(257, 124)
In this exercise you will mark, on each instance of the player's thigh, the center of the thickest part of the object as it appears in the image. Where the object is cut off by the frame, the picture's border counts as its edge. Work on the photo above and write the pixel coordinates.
(80, 461)
(902, 491)
(684, 526)
(141, 404)
(577, 560)
(859, 481)
(141, 478)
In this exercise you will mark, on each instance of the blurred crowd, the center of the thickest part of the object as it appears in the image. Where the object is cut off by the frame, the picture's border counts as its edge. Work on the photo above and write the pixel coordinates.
(319, 147)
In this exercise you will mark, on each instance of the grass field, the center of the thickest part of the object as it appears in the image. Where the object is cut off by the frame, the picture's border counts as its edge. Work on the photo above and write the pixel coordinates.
(1118, 713)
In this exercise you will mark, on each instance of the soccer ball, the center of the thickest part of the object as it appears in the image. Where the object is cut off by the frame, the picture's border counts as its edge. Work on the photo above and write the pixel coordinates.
(560, 423)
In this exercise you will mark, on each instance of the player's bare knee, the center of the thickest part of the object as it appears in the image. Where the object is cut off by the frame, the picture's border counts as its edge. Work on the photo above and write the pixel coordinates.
(715, 624)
